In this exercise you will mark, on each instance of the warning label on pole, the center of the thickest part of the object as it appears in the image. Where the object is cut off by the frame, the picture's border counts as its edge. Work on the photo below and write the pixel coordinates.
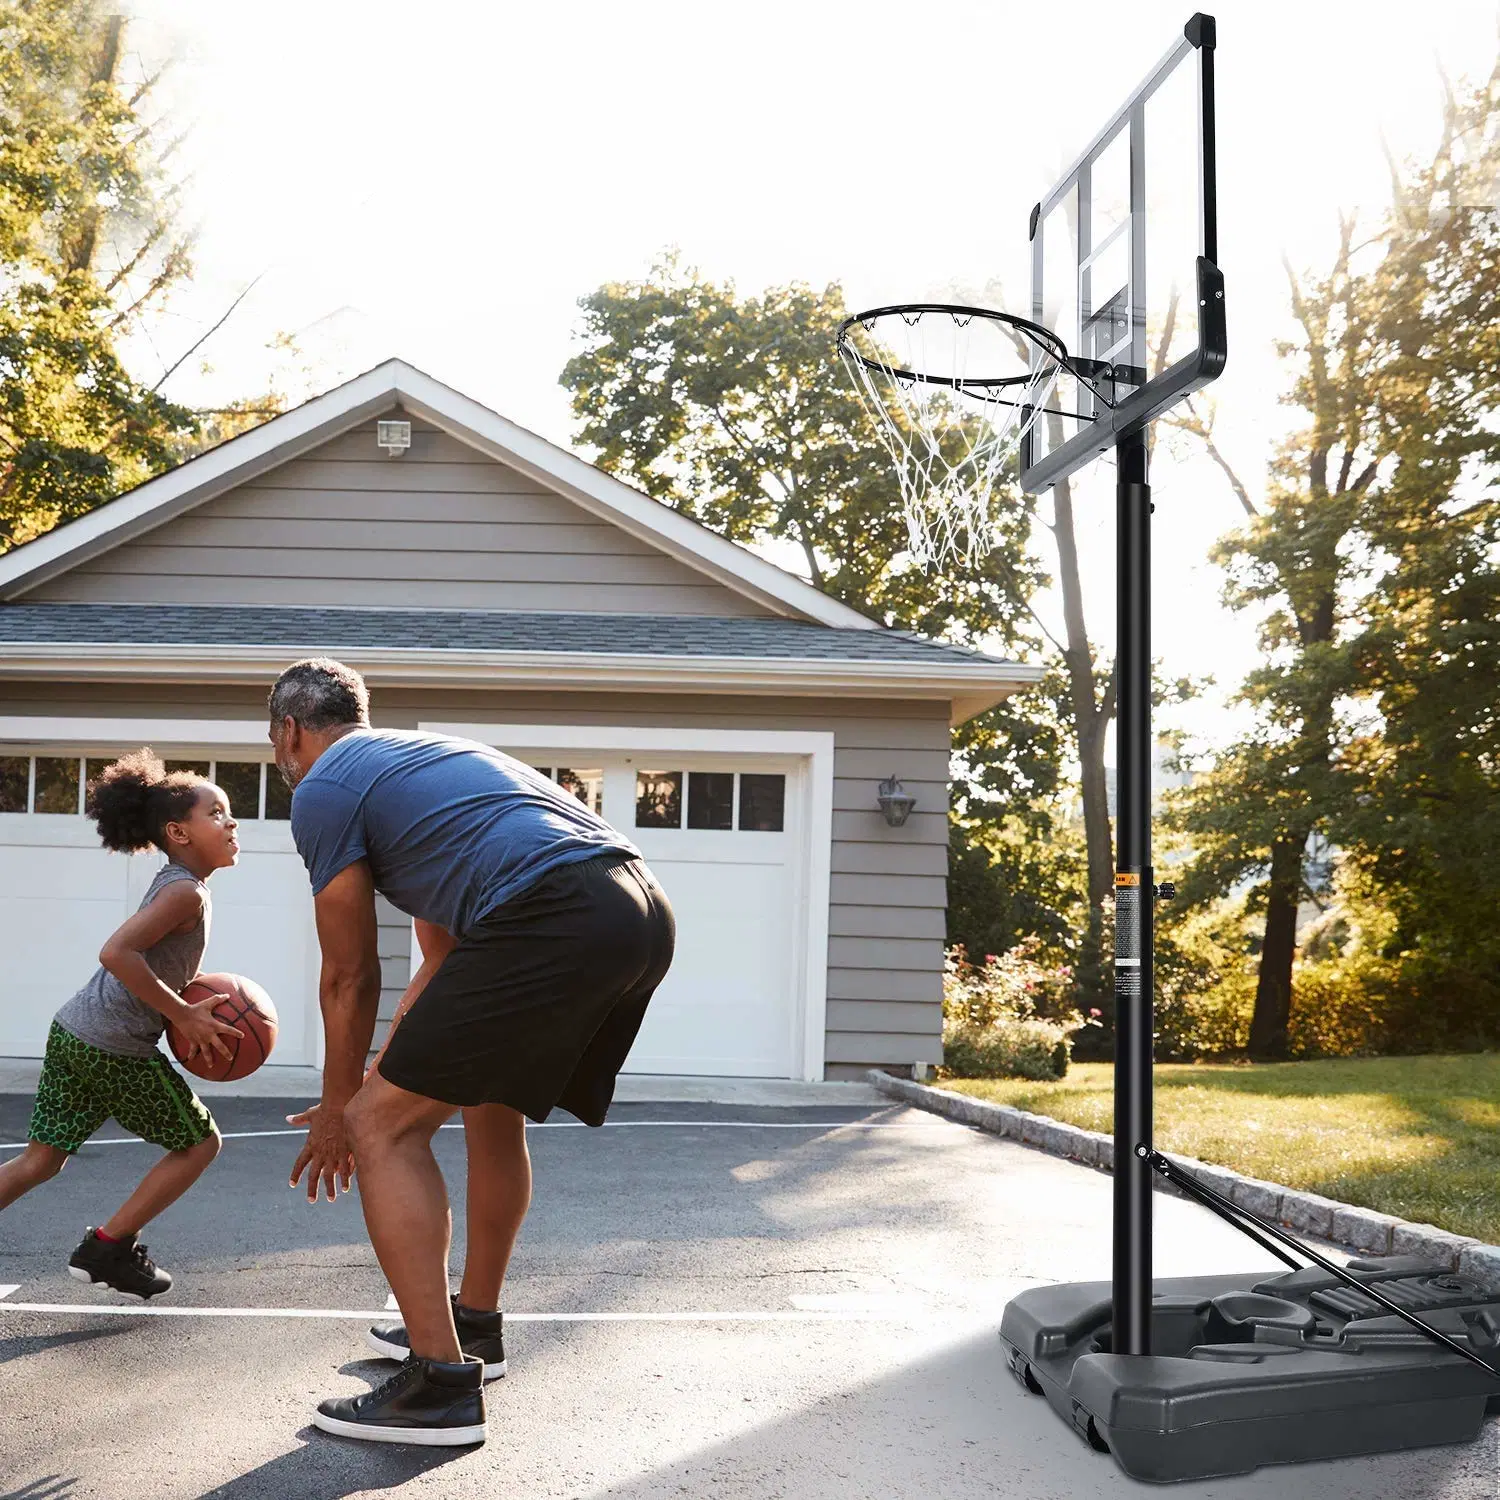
(1127, 926)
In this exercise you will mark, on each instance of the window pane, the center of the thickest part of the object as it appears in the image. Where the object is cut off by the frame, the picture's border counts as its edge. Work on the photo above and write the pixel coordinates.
(14, 774)
(587, 786)
(543, 771)
(658, 799)
(197, 767)
(240, 781)
(711, 799)
(56, 784)
(762, 803)
(278, 795)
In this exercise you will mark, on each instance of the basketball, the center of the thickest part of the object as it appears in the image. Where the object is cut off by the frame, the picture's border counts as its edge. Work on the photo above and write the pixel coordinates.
(249, 1009)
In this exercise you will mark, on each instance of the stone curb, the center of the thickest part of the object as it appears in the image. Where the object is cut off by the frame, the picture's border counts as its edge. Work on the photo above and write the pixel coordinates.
(1360, 1229)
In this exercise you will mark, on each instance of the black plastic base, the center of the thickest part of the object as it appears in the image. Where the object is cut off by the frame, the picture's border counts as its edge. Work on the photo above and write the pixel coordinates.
(1261, 1369)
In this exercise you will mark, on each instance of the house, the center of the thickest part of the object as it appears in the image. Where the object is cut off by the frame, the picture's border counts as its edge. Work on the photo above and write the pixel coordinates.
(732, 719)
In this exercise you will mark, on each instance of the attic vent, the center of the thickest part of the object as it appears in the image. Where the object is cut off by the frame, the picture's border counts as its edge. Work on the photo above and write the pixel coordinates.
(393, 437)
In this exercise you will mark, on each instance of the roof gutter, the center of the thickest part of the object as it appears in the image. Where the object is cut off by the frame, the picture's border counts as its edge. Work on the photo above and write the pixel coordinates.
(969, 689)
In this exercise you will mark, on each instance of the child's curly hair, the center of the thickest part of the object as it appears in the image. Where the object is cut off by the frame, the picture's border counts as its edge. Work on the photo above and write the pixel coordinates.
(134, 798)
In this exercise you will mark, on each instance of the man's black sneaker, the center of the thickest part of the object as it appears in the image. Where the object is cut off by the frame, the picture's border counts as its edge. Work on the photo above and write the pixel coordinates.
(122, 1265)
(480, 1336)
(426, 1401)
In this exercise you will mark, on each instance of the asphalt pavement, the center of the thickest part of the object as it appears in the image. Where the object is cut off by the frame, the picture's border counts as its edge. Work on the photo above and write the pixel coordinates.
(708, 1300)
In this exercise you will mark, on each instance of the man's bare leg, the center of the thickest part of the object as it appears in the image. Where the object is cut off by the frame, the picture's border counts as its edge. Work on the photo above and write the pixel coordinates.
(406, 1207)
(499, 1195)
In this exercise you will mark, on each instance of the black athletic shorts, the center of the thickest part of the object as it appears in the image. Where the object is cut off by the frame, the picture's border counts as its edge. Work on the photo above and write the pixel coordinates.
(539, 1003)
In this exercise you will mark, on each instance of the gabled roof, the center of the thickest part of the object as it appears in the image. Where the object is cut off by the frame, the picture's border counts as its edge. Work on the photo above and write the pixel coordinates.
(397, 383)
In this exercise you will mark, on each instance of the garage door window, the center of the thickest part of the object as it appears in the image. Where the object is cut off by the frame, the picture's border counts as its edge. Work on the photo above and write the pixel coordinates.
(57, 784)
(240, 780)
(15, 781)
(762, 803)
(658, 799)
(712, 798)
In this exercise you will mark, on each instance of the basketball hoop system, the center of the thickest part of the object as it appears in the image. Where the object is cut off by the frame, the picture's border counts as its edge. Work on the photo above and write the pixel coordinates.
(951, 391)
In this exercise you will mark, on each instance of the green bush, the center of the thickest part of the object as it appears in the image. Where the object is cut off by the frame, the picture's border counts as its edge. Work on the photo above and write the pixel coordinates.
(1339, 1007)
(1205, 982)
(1007, 1017)
(1006, 1048)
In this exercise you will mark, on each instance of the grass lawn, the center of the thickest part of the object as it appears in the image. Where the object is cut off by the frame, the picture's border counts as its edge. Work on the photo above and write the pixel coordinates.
(1414, 1136)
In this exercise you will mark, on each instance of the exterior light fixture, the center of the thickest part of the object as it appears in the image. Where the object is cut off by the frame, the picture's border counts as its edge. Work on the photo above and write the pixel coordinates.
(394, 438)
(895, 801)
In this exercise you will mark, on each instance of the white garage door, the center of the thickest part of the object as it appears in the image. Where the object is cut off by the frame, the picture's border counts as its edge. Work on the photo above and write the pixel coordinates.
(721, 834)
(61, 895)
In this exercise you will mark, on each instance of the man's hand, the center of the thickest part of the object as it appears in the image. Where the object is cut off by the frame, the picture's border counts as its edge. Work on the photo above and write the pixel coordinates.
(202, 1030)
(325, 1155)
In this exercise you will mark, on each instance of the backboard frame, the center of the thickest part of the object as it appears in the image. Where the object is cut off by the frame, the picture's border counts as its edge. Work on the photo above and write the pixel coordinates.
(1104, 424)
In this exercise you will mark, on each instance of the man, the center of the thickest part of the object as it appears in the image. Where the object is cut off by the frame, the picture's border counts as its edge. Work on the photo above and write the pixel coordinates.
(543, 936)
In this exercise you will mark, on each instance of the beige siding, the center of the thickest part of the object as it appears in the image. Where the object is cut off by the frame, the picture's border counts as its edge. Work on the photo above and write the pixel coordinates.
(888, 888)
(442, 526)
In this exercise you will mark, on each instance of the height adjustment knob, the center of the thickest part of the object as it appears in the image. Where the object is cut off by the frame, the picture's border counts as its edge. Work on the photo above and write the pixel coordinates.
(1166, 890)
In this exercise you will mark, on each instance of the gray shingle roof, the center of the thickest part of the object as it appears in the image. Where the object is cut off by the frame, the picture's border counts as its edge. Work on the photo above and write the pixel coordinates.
(308, 629)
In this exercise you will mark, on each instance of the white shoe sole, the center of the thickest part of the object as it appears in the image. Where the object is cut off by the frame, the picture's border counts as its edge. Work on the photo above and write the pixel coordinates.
(79, 1274)
(426, 1437)
(398, 1352)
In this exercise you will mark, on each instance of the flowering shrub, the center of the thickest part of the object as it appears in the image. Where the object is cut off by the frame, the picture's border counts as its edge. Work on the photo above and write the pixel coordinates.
(1007, 1017)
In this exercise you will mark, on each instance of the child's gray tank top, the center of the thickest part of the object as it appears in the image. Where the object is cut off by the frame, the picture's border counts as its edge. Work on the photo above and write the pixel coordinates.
(106, 1015)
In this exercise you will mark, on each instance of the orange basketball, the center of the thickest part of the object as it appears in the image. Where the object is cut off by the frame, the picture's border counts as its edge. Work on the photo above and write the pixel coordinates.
(249, 1009)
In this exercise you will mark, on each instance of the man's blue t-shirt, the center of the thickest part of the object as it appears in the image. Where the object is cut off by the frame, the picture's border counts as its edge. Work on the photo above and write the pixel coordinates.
(450, 828)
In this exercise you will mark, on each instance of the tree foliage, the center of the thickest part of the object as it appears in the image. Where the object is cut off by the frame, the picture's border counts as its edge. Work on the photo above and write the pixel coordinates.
(88, 243)
(1375, 551)
(734, 411)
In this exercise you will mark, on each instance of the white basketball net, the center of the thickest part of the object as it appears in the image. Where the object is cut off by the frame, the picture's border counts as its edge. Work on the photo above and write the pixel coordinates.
(953, 444)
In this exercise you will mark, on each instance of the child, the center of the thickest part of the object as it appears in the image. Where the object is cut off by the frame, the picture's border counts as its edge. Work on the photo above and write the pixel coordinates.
(102, 1057)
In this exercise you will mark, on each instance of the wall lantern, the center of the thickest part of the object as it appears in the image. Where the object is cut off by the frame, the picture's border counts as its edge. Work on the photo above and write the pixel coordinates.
(895, 801)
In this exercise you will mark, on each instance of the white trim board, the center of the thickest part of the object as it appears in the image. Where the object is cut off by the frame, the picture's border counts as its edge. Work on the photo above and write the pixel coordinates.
(396, 383)
(29, 729)
(814, 879)
(967, 689)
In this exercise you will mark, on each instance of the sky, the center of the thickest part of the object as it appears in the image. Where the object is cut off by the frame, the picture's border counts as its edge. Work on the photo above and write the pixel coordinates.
(443, 183)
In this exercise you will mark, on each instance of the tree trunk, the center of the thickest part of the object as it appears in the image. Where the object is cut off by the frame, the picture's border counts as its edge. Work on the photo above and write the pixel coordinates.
(1090, 717)
(1273, 990)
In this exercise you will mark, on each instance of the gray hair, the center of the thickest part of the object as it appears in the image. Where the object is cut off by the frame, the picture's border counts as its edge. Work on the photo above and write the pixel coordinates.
(320, 693)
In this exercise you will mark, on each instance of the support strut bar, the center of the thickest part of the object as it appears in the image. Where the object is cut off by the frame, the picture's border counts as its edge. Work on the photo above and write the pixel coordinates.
(1243, 1220)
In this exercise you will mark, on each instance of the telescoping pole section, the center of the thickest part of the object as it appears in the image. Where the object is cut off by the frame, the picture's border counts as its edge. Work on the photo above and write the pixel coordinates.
(1134, 903)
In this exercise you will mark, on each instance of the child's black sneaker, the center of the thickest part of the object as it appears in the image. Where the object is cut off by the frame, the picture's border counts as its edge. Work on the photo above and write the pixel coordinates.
(426, 1401)
(480, 1336)
(121, 1265)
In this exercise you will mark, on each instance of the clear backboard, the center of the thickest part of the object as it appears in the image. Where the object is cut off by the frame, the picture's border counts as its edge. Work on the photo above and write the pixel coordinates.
(1124, 254)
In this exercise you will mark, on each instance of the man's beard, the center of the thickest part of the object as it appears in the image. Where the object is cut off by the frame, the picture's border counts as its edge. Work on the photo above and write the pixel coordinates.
(289, 771)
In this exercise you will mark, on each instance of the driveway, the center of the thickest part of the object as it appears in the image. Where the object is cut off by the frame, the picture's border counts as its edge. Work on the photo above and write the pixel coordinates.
(708, 1300)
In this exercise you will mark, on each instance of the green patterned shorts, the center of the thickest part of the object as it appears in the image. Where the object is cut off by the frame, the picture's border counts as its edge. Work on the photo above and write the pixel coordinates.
(82, 1086)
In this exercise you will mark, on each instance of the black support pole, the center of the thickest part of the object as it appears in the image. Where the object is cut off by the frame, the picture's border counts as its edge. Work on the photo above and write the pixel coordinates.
(1134, 902)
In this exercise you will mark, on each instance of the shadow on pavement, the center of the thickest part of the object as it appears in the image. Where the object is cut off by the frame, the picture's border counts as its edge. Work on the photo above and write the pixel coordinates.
(954, 1422)
(52, 1487)
(12, 1349)
(329, 1468)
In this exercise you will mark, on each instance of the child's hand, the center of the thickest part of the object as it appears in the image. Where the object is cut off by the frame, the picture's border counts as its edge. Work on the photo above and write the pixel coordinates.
(202, 1030)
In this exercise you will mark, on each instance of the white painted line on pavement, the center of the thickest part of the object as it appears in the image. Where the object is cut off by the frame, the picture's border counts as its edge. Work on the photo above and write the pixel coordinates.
(391, 1304)
(798, 1316)
(829, 1125)
(5, 1291)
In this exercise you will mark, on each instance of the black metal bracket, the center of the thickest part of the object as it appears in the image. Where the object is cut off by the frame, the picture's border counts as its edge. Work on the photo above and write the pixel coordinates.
(1258, 1229)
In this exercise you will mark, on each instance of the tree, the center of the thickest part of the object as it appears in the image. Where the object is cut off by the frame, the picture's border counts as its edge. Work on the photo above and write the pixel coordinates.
(733, 410)
(1424, 818)
(1375, 575)
(88, 245)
